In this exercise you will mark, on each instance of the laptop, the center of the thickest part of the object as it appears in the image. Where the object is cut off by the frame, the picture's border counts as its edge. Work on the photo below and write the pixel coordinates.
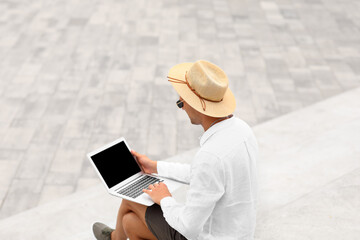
(122, 175)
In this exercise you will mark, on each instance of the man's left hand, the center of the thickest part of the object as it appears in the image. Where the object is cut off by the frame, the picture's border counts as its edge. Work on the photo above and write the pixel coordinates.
(157, 192)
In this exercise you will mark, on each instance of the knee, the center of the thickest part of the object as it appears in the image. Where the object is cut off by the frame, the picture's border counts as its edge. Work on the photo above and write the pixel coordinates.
(128, 223)
(125, 202)
(124, 207)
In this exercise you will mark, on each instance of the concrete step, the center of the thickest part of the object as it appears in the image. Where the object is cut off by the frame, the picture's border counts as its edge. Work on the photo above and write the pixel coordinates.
(309, 172)
(309, 182)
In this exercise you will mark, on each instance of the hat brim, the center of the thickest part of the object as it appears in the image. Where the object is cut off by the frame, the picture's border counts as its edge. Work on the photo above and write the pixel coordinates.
(214, 109)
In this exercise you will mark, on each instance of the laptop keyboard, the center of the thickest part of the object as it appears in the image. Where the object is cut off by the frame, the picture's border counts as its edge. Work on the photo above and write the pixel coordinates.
(135, 189)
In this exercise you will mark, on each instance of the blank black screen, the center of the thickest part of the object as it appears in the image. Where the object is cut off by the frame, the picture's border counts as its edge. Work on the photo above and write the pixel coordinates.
(115, 164)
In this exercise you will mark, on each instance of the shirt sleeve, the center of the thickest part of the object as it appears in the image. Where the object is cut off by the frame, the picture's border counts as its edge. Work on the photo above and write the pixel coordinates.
(207, 186)
(177, 171)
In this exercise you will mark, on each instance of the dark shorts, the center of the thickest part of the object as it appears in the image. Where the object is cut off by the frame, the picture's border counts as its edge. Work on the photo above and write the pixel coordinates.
(158, 226)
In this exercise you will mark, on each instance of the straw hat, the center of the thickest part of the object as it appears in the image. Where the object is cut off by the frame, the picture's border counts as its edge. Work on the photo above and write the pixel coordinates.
(204, 86)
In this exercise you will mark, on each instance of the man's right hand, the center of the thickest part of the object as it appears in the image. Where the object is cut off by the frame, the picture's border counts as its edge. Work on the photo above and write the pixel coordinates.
(149, 166)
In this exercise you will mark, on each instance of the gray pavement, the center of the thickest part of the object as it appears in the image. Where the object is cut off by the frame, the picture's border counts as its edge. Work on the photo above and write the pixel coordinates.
(77, 74)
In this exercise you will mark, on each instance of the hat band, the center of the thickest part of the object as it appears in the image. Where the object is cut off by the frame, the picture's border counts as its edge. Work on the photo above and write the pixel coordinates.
(202, 99)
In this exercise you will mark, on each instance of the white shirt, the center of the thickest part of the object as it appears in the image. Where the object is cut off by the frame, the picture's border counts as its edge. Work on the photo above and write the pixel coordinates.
(221, 200)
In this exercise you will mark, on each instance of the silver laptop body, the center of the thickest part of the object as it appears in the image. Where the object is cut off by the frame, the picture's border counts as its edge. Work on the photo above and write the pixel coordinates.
(121, 173)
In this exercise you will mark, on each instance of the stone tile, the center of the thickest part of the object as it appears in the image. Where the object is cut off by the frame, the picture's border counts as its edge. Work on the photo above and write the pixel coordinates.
(22, 195)
(276, 67)
(48, 133)
(254, 62)
(17, 90)
(55, 192)
(283, 84)
(61, 104)
(16, 138)
(86, 104)
(24, 123)
(36, 162)
(119, 76)
(265, 105)
(68, 161)
(85, 183)
(139, 94)
(166, 55)
(136, 130)
(34, 107)
(7, 173)
(96, 81)
(79, 127)
(347, 80)
(162, 135)
(188, 52)
(258, 82)
(187, 135)
(233, 67)
(74, 143)
(9, 107)
(144, 60)
(61, 178)
(11, 154)
(302, 79)
(115, 95)
(308, 97)
(294, 58)
(109, 120)
(288, 101)
(87, 170)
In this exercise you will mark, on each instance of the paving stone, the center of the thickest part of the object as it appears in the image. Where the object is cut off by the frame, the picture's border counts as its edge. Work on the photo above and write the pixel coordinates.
(9, 107)
(53, 192)
(243, 94)
(303, 79)
(11, 154)
(254, 62)
(308, 97)
(36, 161)
(162, 134)
(294, 58)
(79, 127)
(22, 195)
(8, 169)
(188, 136)
(276, 67)
(109, 120)
(265, 105)
(139, 94)
(347, 80)
(354, 64)
(283, 84)
(48, 133)
(166, 55)
(68, 161)
(85, 183)
(16, 138)
(61, 178)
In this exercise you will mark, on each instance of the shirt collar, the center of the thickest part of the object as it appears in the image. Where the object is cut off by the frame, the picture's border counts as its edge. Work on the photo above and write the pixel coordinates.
(215, 128)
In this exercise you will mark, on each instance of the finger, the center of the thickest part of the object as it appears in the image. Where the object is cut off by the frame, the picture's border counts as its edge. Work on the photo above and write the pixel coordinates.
(146, 191)
(134, 153)
(151, 186)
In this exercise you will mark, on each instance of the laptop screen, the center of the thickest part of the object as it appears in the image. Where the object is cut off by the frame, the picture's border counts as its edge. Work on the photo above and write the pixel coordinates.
(115, 164)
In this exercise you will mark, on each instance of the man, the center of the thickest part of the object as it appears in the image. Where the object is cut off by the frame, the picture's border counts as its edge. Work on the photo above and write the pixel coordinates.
(221, 200)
